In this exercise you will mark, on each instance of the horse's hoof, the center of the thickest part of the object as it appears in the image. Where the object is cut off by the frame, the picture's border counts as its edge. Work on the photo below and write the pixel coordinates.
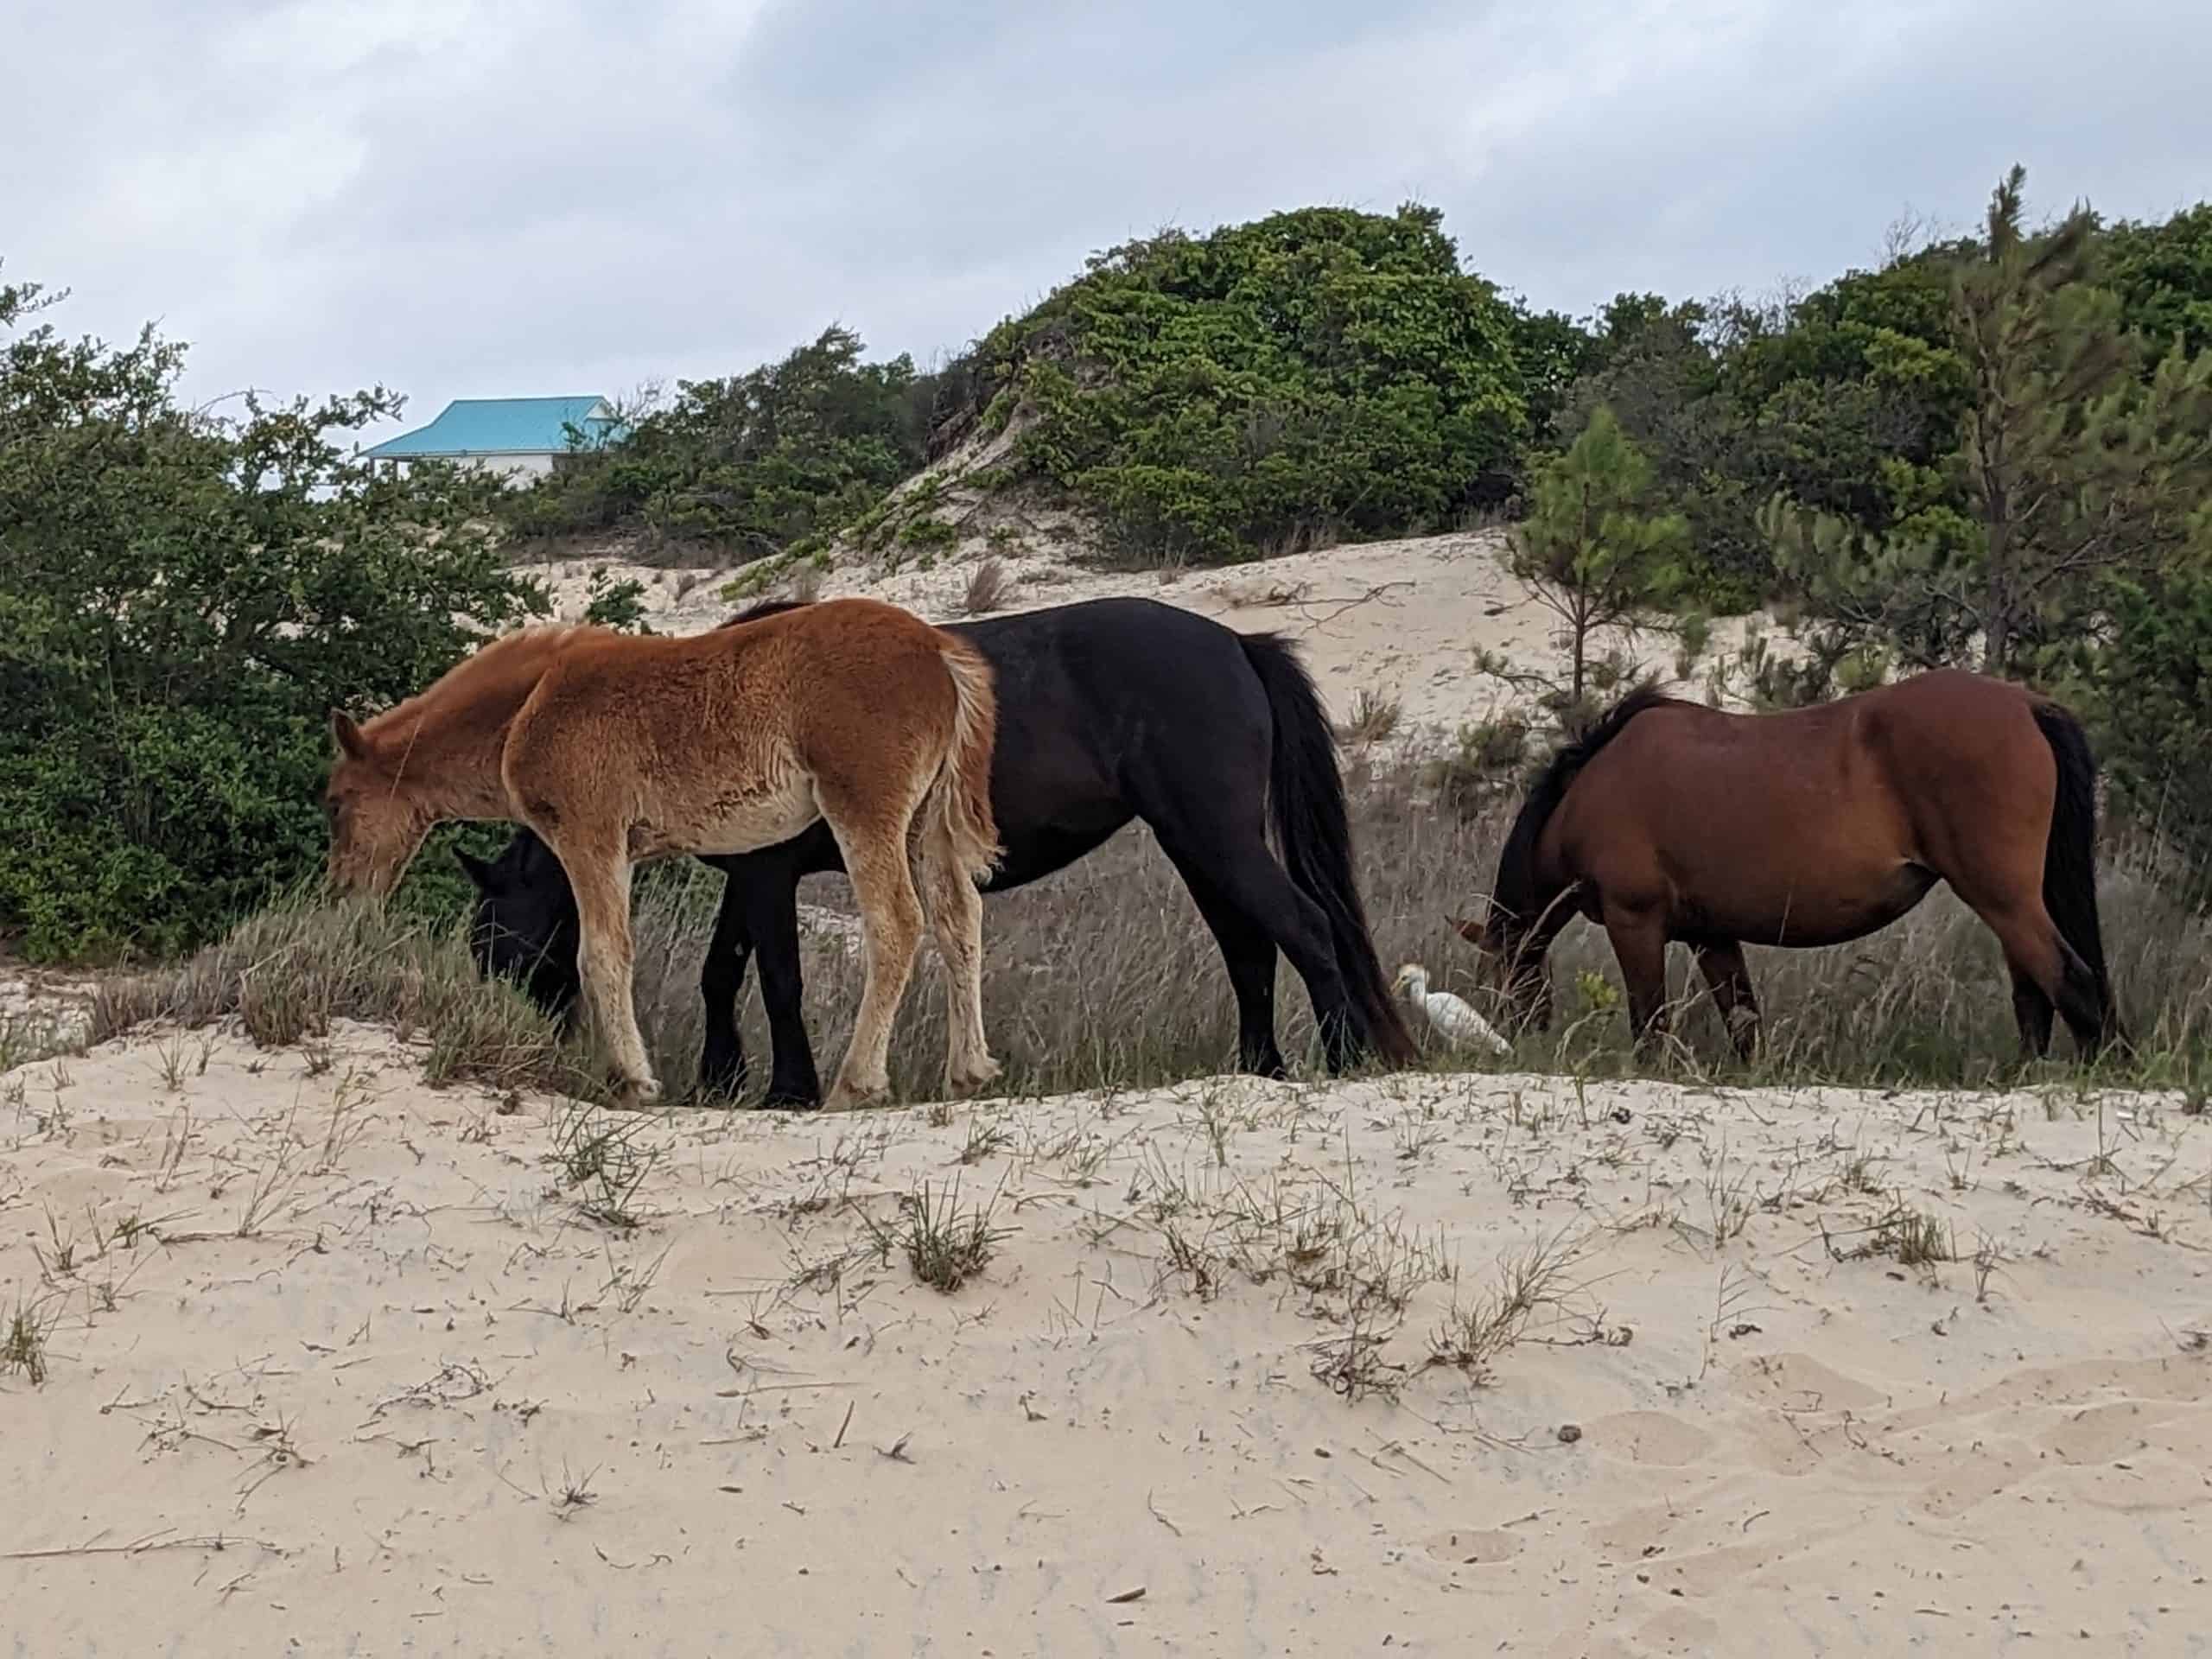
(975, 1077)
(848, 1097)
(775, 1102)
(637, 1093)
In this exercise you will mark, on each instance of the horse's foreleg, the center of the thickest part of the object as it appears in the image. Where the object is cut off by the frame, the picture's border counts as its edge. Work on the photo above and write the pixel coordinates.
(875, 849)
(604, 953)
(721, 980)
(1639, 940)
(772, 913)
(1730, 982)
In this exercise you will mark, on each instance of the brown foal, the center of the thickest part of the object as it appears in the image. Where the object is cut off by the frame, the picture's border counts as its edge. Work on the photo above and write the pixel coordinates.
(618, 748)
(1670, 822)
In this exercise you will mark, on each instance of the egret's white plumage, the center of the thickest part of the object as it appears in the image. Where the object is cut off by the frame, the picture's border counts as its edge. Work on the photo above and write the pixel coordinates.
(1449, 1016)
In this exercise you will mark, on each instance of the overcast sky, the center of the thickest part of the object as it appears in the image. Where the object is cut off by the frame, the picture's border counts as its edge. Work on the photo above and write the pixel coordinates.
(466, 198)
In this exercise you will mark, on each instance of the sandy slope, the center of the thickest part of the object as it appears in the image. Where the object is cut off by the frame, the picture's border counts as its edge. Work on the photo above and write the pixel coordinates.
(365, 1339)
(1404, 619)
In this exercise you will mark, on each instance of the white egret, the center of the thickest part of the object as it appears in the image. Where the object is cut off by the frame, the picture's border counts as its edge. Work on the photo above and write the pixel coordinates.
(1449, 1016)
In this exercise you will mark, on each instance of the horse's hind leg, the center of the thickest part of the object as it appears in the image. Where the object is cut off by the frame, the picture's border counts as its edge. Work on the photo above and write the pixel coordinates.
(2047, 974)
(1731, 983)
(1249, 955)
(873, 841)
(2032, 1010)
(1246, 878)
(954, 909)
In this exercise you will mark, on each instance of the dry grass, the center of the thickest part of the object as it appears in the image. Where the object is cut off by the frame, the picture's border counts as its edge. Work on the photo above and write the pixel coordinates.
(1104, 975)
(24, 1340)
(1374, 718)
(988, 585)
(944, 1244)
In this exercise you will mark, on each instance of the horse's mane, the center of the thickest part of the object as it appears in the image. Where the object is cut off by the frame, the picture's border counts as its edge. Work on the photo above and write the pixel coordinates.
(1514, 900)
(519, 652)
(759, 608)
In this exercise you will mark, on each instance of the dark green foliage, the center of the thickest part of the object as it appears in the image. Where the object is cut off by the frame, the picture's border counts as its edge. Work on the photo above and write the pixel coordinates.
(2080, 458)
(2066, 536)
(616, 604)
(2149, 694)
(2163, 273)
(1660, 371)
(1316, 374)
(753, 464)
(1598, 550)
(183, 599)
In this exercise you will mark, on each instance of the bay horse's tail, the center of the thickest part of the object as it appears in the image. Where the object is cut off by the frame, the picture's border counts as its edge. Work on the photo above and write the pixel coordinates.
(2069, 867)
(960, 799)
(1306, 798)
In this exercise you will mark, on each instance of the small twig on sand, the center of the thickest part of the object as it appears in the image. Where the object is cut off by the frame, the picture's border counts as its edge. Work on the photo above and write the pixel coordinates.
(152, 1541)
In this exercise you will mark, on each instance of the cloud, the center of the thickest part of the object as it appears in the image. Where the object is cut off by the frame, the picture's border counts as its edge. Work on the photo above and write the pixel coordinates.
(465, 197)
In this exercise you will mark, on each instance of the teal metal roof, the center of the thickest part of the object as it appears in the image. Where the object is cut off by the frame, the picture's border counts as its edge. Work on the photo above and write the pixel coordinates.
(504, 426)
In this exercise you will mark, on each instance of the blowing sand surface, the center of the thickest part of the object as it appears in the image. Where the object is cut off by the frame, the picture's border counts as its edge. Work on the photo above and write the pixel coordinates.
(333, 1363)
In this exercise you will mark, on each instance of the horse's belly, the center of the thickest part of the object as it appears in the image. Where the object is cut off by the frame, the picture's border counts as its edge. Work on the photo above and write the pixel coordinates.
(1847, 906)
(745, 819)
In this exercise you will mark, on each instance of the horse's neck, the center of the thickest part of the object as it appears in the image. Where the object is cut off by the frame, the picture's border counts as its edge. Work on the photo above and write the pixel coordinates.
(445, 751)
(1545, 910)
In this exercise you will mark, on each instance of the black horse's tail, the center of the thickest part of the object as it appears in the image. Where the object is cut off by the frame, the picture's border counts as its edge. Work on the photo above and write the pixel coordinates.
(1306, 800)
(2069, 865)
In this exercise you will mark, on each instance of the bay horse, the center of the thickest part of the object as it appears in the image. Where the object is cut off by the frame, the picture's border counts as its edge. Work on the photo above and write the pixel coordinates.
(615, 748)
(1668, 821)
(1110, 709)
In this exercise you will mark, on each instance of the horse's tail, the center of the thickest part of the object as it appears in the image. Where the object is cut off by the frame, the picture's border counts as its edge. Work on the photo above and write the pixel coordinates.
(2069, 865)
(1306, 798)
(960, 799)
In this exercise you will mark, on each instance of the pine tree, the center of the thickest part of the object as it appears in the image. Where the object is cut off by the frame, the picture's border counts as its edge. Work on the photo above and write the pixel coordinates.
(2076, 466)
(1595, 548)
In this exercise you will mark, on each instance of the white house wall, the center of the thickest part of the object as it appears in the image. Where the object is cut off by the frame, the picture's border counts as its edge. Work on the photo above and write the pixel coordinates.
(515, 470)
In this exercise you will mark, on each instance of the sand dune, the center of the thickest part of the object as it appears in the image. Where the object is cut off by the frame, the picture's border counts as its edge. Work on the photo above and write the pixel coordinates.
(1402, 619)
(334, 1362)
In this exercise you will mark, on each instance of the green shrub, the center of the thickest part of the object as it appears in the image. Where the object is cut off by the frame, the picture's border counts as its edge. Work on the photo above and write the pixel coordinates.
(1321, 373)
(183, 599)
(753, 464)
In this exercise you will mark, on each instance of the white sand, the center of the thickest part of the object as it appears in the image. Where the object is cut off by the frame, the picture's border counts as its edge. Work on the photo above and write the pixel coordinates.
(366, 1341)
(1402, 619)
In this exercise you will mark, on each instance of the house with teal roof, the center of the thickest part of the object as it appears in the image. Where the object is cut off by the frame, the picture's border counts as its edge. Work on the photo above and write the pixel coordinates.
(522, 439)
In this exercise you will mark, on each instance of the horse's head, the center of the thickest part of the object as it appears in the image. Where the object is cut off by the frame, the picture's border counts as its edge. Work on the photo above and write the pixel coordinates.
(375, 821)
(1503, 967)
(524, 927)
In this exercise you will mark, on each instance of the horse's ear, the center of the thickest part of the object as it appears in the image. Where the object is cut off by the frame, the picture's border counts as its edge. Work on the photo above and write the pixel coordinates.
(1470, 932)
(480, 870)
(349, 737)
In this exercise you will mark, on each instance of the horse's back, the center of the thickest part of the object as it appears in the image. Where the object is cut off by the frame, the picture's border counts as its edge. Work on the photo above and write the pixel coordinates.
(1120, 687)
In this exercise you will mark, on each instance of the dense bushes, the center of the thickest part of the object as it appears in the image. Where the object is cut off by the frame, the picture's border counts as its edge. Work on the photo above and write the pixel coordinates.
(1311, 375)
(1316, 374)
(752, 465)
(183, 600)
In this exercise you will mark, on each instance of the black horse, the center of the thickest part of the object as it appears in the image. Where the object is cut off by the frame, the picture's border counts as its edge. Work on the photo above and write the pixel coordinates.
(1108, 710)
